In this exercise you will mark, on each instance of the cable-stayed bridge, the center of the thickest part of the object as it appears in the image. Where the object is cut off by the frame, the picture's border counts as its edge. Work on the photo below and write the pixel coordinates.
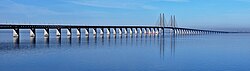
(159, 28)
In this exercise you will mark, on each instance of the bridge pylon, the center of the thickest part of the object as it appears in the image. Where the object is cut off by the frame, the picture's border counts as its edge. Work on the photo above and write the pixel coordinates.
(172, 21)
(161, 22)
(173, 24)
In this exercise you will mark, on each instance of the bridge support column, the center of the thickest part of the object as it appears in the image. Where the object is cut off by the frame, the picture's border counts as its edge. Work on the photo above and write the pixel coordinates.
(177, 31)
(160, 30)
(58, 32)
(145, 30)
(94, 31)
(149, 31)
(125, 31)
(69, 32)
(183, 31)
(114, 31)
(196, 32)
(108, 31)
(32, 32)
(101, 31)
(192, 32)
(86, 31)
(16, 32)
(156, 31)
(200, 32)
(140, 31)
(204, 32)
(120, 31)
(153, 31)
(135, 31)
(180, 31)
(46, 32)
(188, 31)
(78, 32)
(130, 31)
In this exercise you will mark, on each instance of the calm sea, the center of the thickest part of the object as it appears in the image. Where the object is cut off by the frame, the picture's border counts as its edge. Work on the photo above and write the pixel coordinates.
(211, 52)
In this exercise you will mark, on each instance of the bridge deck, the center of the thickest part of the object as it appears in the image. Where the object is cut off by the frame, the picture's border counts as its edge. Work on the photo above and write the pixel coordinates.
(70, 26)
(3, 26)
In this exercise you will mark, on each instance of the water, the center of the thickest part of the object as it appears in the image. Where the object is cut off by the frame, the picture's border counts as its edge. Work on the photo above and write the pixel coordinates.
(213, 52)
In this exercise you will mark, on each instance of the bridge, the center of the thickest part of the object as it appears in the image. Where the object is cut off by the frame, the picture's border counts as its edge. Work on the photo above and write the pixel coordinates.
(158, 29)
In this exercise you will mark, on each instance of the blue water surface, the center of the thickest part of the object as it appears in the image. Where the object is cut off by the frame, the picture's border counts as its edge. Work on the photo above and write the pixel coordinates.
(210, 52)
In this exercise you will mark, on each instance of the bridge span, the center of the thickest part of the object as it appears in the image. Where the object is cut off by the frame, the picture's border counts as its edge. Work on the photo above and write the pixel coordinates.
(115, 29)
(158, 29)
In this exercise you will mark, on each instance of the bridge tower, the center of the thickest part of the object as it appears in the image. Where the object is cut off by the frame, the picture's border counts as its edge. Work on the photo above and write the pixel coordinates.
(172, 21)
(161, 23)
(173, 24)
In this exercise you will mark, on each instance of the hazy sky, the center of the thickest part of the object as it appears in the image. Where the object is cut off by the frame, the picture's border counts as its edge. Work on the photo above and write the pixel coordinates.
(189, 13)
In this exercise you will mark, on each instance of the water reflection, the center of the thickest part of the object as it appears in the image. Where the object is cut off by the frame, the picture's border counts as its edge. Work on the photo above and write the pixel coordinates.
(172, 43)
(79, 39)
(16, 41)
(58, 40)
(69, 39)
(46, 41)
(144, 40)
(162, 41)
(32, 41)
(87, 41)
(165, 40)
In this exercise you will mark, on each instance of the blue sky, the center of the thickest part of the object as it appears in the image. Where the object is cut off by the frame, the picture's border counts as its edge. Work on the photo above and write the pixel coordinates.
(189, 13)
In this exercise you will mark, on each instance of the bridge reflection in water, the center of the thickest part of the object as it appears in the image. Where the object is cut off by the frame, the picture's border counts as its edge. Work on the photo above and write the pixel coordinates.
(110, 41)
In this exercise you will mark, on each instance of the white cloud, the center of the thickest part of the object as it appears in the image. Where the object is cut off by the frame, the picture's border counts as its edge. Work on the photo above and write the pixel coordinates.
(8, 6)
(121, 4)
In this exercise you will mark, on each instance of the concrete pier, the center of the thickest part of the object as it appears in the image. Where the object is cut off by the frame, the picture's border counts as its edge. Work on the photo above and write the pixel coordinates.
(125, 31)
(135, 30)
(58, 32)
(145, 30)
(108, 31)
(101, 31)
(120, 31)
(16, 32)
(86, 31)
(114, 31)
(94, 31)
(140, 31)
(78, 32)
(32, 32)
(130, 31)
(69, 32)
(46, 32)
